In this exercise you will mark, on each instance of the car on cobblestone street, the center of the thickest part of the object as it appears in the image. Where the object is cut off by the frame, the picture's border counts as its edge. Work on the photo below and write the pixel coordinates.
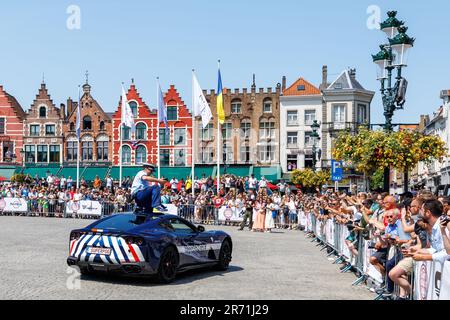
(154, 245)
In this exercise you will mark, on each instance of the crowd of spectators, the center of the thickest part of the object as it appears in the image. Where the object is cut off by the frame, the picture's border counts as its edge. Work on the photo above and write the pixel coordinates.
(401, 230)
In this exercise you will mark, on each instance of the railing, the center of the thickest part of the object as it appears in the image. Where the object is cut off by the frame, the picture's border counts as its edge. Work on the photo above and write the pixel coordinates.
(429, 281)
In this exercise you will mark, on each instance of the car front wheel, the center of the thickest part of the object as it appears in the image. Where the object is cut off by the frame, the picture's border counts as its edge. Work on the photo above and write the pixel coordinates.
(224, 256)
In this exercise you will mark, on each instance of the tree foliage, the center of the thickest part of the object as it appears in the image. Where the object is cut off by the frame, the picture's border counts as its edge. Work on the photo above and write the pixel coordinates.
(308, 178)
(369, 150)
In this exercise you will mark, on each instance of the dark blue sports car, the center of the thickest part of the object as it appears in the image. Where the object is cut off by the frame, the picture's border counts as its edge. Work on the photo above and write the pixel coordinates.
(160, 245)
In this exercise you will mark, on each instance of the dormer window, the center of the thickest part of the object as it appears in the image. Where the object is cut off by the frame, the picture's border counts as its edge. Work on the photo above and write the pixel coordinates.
(42, 112)
(338, 85)
(301, 87)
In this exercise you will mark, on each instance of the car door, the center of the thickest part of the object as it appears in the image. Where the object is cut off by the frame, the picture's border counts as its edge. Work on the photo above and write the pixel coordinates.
(192, 249)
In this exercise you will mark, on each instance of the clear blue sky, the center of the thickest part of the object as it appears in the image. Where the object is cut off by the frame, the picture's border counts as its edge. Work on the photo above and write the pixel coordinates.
(120, 40)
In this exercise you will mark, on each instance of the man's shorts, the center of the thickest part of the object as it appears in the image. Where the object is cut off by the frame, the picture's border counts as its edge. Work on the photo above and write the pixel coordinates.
(407, 264)
(381, 256)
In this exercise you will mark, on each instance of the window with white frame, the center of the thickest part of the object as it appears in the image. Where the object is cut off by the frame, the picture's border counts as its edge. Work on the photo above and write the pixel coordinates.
(245, 154)
(206, 133)
(164, 158)
(180, 157)
(141, 131)
(310, 116)
(134, 108)
(42, 112)
(309, 139)
(42, 153)
(226, 131)
(267, 105)
(267, 130)
(266, 153)
(361, 113)
(50, 130)
(2, 125)
(292, 118)
(227, 153)
(141, 155)
(30, 156)
(180, 137)
(339, 113)
(206, 154)
(292, 139)
(236, 106)
(34, 130)
(246, 128)
(126, 154)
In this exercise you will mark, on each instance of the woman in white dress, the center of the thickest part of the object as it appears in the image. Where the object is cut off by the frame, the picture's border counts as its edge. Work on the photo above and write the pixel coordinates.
(270, 208)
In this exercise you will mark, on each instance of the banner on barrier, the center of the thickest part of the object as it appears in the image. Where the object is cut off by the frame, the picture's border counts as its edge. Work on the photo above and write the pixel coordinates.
(302, 220)
(84, 207)
(171, 209)
(445, 282)
(368, 268)
(423, 280)
(13, 205)
(231, 214)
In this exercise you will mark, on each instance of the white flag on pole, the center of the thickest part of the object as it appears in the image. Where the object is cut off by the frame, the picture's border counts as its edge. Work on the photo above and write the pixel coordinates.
(127, 114)
(200, 106)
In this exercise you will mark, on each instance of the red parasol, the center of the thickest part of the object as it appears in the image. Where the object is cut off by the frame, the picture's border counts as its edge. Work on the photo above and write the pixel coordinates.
(271, 186)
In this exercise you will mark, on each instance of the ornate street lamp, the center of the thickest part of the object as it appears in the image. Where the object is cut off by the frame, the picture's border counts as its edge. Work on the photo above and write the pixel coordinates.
(392, 56)
(315, 136)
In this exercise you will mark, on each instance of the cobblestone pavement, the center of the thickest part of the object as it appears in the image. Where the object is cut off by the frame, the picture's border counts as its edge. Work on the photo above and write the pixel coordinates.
(280, 265)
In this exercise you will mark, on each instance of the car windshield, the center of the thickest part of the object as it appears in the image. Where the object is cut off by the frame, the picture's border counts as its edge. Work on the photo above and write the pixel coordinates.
(123, 222)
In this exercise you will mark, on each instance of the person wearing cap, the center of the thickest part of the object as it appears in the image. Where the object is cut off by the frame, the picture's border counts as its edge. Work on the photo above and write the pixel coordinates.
(146, 190)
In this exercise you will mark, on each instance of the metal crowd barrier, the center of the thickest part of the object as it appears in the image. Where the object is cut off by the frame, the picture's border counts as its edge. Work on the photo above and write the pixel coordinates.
(429, 281)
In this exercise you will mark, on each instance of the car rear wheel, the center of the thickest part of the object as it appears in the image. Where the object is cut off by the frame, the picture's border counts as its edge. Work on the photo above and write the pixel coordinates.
(85, 271)
(168, 265)
(224, 256)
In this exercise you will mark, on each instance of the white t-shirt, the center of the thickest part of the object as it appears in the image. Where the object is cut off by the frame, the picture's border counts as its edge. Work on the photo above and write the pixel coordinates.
(109, 182)
(251, 183)
(138, 183)
(174, 184)
(263, 184)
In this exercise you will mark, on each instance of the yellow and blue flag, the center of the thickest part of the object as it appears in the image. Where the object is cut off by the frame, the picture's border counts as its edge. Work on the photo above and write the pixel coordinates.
(220, 111)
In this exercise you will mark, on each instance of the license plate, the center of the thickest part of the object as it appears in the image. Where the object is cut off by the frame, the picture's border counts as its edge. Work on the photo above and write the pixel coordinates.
(100, 251)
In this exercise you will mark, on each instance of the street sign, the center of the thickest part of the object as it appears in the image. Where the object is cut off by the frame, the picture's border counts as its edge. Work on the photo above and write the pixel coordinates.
(336, 170)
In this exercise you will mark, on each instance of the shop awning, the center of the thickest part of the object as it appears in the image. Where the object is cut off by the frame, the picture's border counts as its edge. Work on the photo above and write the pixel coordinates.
(6, 173)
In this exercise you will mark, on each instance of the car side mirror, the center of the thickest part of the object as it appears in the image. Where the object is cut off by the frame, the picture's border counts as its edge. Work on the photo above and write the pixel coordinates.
(201, 229)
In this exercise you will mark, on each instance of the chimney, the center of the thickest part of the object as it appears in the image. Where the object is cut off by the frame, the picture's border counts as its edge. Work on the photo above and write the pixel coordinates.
(324, 77)
(69, 106)
(62, 111)
(283, 84)
(352, 73)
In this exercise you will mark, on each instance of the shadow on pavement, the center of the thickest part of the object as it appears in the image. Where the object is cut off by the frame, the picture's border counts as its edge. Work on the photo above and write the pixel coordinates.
(182, 278)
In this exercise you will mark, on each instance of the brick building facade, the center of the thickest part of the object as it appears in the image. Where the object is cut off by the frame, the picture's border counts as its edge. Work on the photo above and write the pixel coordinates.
(12, 117)
(96, 128)
(250, 134)
(143, 148)
(43, 131)
(175, 147)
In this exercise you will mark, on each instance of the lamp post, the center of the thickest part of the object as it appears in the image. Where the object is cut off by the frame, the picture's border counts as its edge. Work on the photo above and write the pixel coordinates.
(393, 55)
(22, 153)
(315, 136)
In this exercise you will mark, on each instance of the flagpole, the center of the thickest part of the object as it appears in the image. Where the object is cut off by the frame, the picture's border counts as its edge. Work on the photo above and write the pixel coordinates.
(218, 141)
(120, 155)
(79, 142)
(193, 139)
(158, 125)
(120, 139)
